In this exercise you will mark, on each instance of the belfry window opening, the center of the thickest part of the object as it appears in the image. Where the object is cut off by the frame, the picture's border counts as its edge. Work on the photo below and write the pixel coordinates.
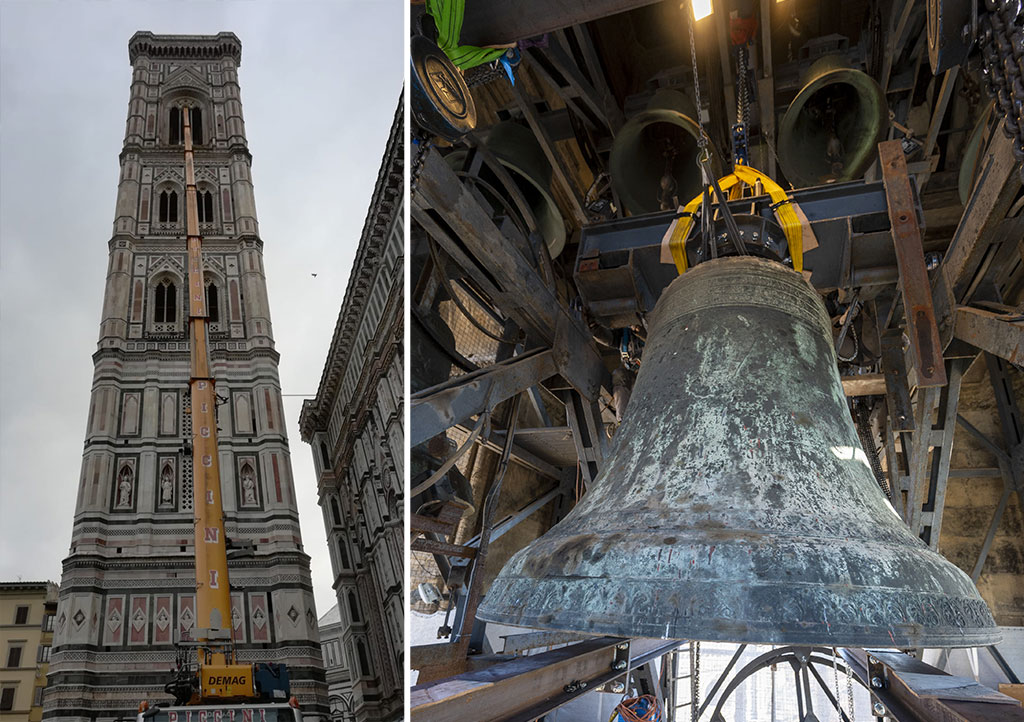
(165, 302)
(176, 126)
(168, 212)
(212, 304)
(197, 125)
(175, 132)
(204, 206)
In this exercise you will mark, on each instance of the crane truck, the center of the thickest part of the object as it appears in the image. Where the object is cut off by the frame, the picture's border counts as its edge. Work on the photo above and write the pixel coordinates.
(209, 685)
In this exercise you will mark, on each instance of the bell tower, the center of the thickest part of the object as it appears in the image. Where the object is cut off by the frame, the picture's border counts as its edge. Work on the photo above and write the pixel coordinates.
(128, 585)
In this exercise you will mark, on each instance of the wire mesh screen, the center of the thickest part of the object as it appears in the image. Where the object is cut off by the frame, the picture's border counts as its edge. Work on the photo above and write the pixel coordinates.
(476, 331)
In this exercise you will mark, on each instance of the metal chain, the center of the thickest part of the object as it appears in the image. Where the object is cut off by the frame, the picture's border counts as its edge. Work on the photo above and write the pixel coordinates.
(856, 347)
(849, 689)
(695, 707)
(702, 140)
(1001, 40)
(835, 676)
(742, 89)
(420, 146)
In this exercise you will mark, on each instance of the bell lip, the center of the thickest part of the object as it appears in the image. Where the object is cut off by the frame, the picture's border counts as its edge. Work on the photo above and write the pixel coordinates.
(761, 634)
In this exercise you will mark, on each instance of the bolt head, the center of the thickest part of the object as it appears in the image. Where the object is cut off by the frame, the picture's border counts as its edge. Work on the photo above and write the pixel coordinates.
(879, 709)
(876, 682)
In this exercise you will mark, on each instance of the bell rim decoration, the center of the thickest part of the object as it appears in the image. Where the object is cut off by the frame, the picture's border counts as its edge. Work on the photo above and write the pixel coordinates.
(825, 71)
(822, 562)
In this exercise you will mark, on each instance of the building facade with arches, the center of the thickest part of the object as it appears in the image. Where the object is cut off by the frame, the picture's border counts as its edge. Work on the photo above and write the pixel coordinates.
(128, 585)
(354, 426)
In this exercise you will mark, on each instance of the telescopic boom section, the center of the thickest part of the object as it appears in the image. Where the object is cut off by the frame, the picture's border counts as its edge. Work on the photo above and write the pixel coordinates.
(213, 593)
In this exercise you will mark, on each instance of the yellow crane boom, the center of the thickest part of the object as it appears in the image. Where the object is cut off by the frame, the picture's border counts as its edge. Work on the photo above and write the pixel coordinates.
(213, 593)
(215, 678)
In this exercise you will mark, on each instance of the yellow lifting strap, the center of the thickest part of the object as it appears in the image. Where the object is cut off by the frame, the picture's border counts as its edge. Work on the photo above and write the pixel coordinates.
(781, 206)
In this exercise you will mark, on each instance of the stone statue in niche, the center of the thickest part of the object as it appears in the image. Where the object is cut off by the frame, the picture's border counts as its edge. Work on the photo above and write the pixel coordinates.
(124, 488)
(167, 486)
(248, 486)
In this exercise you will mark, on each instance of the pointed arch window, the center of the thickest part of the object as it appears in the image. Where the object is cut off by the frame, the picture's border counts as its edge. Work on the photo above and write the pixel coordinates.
(325, 458)
(335, 512)
(212, 304)
(364, 662)
(165, 302)
(168, 212)
(204, 206)
(196, 120)
(342, 554)
(175, 132)
(353, 607)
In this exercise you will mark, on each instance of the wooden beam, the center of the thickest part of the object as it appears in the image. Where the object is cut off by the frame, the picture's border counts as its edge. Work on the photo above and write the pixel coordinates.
(990, 332)
(863, 385)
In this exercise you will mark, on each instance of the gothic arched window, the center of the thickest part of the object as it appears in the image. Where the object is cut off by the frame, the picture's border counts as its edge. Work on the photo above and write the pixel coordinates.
(364, 663)
(353, 607)
(175, 132)
(325, 457)
(204, 206)
(335, 512)
(168, 212)
(197, 126)
(212, 304)
(165, 302)
(342, 554)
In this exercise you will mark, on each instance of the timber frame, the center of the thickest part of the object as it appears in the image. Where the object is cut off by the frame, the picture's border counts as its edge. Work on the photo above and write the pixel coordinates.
(935, 284)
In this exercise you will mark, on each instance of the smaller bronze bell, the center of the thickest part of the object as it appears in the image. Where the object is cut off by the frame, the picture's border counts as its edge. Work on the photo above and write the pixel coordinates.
(831, 129)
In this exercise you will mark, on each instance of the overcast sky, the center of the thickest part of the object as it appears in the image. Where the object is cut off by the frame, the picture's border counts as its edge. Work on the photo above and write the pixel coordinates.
(320, 82)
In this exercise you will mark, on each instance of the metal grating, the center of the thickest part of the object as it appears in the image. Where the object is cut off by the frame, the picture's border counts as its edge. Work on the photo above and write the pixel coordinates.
(476, 331)
(186, 459)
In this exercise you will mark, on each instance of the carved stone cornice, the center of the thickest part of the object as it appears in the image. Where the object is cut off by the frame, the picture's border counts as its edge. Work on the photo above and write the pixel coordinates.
(386, 199)
(185, 47)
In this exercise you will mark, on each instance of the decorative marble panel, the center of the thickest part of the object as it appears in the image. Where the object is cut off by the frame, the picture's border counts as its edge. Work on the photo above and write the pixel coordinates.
(113, 621)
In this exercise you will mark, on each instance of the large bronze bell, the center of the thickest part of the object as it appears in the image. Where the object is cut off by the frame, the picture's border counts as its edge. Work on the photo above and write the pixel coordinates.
(516, 147)
(653, 159)
(832, 127)
(737, 504)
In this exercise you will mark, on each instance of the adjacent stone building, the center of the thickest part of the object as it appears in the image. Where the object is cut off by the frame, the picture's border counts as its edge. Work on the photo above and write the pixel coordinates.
(336, 664)
(27, 611)
(355, 428)
(128, 586)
